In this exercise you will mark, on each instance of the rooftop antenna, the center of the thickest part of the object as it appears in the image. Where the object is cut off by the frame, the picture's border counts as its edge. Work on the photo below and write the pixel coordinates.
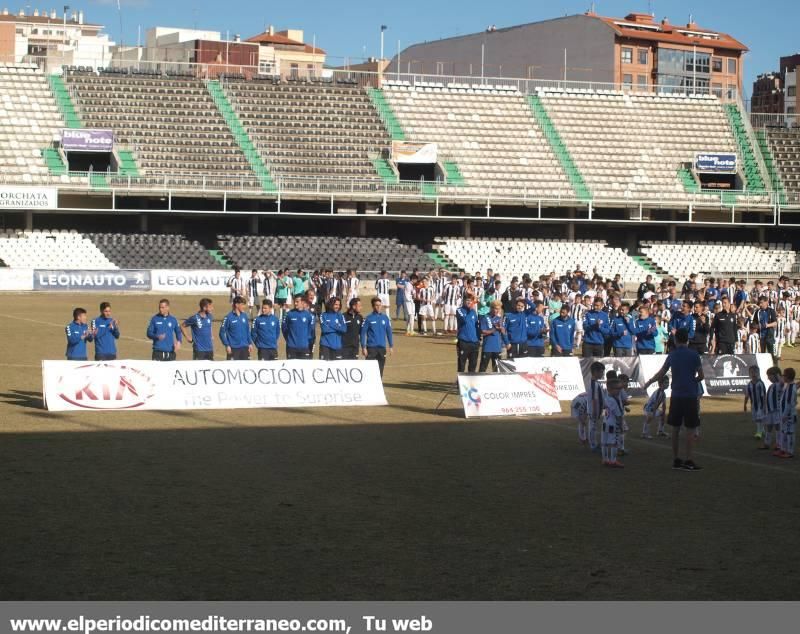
(650, 7)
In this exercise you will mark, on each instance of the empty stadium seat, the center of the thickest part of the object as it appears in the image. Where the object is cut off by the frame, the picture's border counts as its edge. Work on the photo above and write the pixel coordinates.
(51, 249)
(154, 251)
(680, 260)
(785, 148)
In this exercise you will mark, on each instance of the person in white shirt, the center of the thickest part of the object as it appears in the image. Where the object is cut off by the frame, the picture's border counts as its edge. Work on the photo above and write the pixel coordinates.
(237, 285)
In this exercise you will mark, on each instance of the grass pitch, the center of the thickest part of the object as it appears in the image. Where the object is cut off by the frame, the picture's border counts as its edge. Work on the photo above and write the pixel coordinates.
(396, 502)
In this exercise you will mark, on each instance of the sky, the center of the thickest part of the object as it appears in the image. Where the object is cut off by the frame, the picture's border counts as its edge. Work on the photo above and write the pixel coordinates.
(351, 29)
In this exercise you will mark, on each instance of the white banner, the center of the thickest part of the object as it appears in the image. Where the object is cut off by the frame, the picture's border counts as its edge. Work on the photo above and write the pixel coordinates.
(178, 281)
(410, 152)
(16, 279)
(514, 394)
(153, 385)
(566, 370)
(28, 197)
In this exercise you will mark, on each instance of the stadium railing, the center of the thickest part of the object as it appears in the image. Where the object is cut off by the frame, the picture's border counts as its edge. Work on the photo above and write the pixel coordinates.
(762, 120)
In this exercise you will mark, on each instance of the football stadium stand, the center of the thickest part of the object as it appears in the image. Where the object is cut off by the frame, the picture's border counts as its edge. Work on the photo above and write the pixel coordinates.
(29, 119)
(782, 151)
(680, 260)
(171, 123)
(51, 249)
(314, 252)
(490, 134)
(153, 251)
(513, 256)
(317, 130)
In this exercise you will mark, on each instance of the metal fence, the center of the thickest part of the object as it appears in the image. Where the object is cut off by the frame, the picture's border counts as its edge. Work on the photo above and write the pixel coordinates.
(761, 121)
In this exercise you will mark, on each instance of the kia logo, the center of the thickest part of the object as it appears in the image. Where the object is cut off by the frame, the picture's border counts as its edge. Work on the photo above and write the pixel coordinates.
(105, 386)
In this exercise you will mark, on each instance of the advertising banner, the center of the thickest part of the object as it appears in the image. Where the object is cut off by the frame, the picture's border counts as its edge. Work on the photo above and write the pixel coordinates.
(87, 140)
(90, 280)
(184, 385)
(725, 374)
(28, 197)
(630, 366)
(408, 152)
(512, 394)
(178, 281)
(565, 370)
(715, 162)
(16, 279)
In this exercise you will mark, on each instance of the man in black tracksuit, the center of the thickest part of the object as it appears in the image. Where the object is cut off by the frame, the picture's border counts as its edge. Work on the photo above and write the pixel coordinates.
(699, 342)
(725, 330)
(351, 339)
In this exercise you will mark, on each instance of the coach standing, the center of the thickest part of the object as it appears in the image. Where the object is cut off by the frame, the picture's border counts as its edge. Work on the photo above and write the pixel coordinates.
(376, 332)
(235, 332)
(165, 333)
(767, 320)
(684, 406)
(725, 329)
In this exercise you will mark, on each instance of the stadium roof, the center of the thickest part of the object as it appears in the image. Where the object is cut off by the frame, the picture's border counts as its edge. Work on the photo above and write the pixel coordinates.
(642, 26)
(276, 38)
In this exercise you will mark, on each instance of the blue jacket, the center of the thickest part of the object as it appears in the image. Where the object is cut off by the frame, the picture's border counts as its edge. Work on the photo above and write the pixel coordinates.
(517, 327)
(621, 334)
(496, 341)
(76, 342)
(562, 332)
(235, 330)
(646, 332)
(167, 326)
(298, 329)
(105, 339)
(712, 297)
(469, 327)
(332, 327)
(595, 327)
(535, 332)
(376, 331)
(674, 305)
(202, 334)
(266, 332)
(680, 321)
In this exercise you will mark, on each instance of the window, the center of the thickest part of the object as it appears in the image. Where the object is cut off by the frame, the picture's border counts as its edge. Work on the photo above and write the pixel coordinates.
(294, 70)
(641, 80)
(731, 91)
(627, 80)
(627, 55)
(791, 110)
(791, 91)
(716, 64)
(643, 55)
(717, 89)
(732, 66)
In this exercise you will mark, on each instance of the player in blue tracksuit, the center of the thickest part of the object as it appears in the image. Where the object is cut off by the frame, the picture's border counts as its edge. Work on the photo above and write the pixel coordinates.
(266, 332)
(681, 320)
(622, 333)
(332, 327)
(536, 330)
(376, 332)
(645, 330)
(298, 329)
(595, 330)
(562, 334)
(468, 335)
(235, 332)
(78, 334)
(165, 333)
(517, 330)
(202, 335)
(494, 336)
(105, 330)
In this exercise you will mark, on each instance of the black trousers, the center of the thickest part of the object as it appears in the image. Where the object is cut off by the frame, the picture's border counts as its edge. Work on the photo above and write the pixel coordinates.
(593, 350)
(160, 355)
(518, 350)
(535, 351)
(105, 357)
(349, 352)
(239, 354)
(298, 353)
(467, 356)
(197, 355)
(329, 354)
(267, 354)
(725, 348)
(379, 355)
(699, 348)
(564, 352)
(623, 352)
(489, 357)
(643, 352)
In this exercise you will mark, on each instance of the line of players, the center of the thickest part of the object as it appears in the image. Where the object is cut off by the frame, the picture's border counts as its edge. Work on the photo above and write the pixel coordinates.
(342, 335)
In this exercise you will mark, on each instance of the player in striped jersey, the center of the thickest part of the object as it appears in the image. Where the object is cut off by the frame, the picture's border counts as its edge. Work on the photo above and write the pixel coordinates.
(451, 299)
(772, 423)
(577, 310)
(439, 282)
(756, 394)
(596, 407)
(268, 285)
(254, 285)
(794, 322)
(427, 297)
(788, 414)
(753, 340)
(352, 284)
(655, 409)
(781, 332)
(382, 290)
(237, 285)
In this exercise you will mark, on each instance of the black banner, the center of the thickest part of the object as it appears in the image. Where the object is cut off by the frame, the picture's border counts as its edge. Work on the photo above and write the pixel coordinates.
(727, 373)
(629, 366)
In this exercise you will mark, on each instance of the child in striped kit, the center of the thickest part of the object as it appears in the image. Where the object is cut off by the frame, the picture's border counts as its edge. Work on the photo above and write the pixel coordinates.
(596, 409)
(773, 419)
(580, 412)
(781, 334)
(753, 340)
(655, 409)
(756, 394)
(613, 424)
(788, 414)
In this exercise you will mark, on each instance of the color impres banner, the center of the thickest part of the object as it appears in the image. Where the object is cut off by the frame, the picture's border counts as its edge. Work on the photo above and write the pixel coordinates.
(90, 280)
(565, 370)
(87, 140)
(186, 385)
(512, 394)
